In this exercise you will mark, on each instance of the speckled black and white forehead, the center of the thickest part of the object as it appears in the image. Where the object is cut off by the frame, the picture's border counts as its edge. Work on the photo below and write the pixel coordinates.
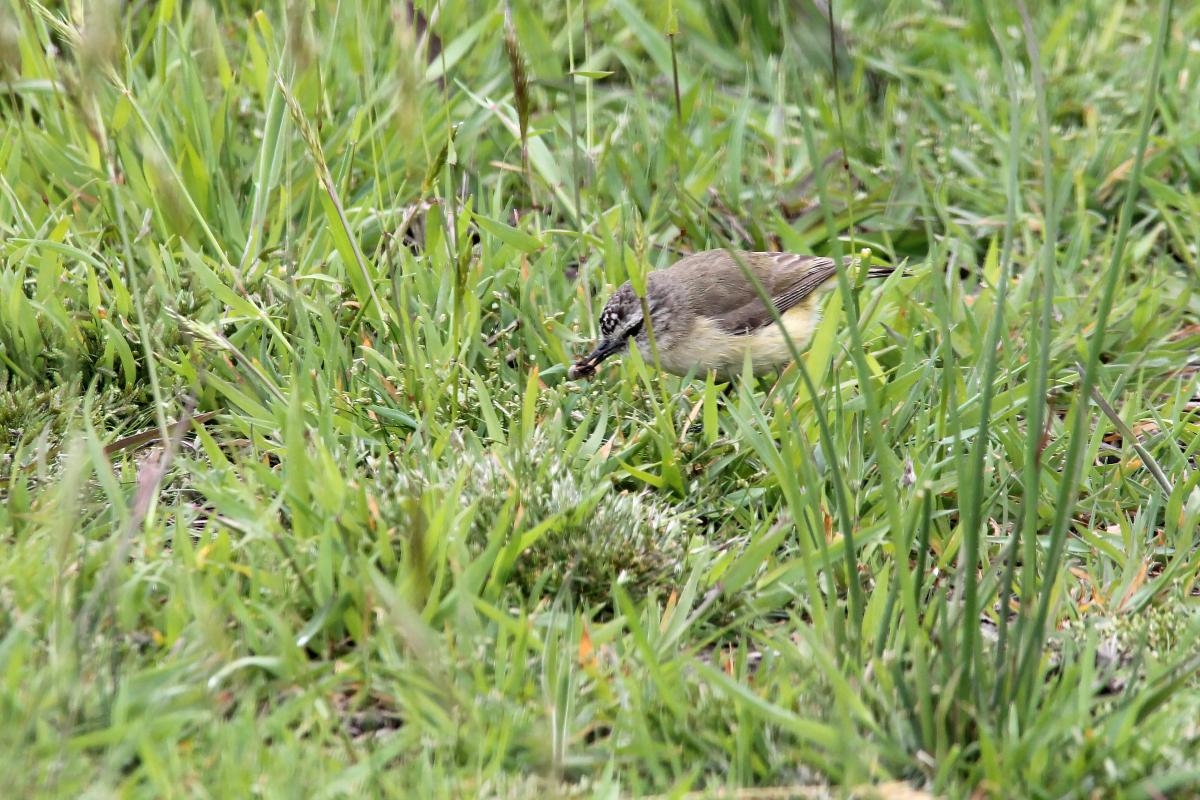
(621, 309)
(610, 320)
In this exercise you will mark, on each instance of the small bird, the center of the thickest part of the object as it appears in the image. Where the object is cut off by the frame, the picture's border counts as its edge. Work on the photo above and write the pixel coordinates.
(707, 315)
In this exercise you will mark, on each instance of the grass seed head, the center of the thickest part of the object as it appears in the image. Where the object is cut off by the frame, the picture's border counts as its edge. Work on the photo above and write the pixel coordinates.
(99, 39)
(10, 46)
(518, 71)
(206, 35)
(408, 75)
(300, 39)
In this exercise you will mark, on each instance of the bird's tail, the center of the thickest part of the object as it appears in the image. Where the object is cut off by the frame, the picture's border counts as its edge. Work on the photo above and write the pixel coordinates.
(851, 263)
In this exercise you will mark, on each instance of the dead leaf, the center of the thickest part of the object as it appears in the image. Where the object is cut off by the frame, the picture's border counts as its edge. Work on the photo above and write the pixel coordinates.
(373, 508)
(587, 653)
(1119, 174)
(1138, 581)
(669, 611)
(1185, 332)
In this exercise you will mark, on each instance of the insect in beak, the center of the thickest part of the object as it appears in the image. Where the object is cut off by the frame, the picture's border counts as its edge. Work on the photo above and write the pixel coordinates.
(586, 367)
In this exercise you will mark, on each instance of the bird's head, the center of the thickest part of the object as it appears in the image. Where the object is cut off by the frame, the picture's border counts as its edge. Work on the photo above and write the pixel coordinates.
(621, 320)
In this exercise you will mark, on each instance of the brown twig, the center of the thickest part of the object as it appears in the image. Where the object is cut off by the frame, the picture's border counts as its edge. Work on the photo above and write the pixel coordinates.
(148, 481)
(140, 439)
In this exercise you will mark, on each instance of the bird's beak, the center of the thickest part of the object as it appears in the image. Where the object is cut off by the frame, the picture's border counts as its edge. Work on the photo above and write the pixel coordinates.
(587, 366)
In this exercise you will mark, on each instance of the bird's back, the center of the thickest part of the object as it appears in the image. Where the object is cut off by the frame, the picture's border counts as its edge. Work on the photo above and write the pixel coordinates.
(717, 282)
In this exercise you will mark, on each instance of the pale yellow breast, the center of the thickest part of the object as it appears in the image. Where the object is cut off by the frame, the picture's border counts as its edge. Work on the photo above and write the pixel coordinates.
(707, 347)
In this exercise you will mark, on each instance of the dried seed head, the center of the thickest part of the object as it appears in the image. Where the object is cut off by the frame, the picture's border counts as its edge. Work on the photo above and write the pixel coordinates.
(520, 76)
(164, 186)
(99, 39)
(206, 36)
(408, 73)
(300, 42)
(10, 46)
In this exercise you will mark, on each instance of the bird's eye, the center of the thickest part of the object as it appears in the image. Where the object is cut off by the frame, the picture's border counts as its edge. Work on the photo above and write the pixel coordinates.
(634, 329)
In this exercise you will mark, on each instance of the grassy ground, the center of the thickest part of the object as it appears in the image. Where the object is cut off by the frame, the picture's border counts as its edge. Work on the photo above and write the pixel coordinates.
(390, 550)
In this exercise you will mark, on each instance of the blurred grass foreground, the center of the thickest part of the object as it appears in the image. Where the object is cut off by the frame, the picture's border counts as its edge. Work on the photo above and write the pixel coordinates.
(298, 502)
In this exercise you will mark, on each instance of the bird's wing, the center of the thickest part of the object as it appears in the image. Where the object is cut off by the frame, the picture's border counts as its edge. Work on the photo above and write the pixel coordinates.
(789, 279)
(716, 279)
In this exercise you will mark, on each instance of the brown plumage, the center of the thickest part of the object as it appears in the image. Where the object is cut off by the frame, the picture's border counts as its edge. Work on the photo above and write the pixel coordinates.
(707, 315)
